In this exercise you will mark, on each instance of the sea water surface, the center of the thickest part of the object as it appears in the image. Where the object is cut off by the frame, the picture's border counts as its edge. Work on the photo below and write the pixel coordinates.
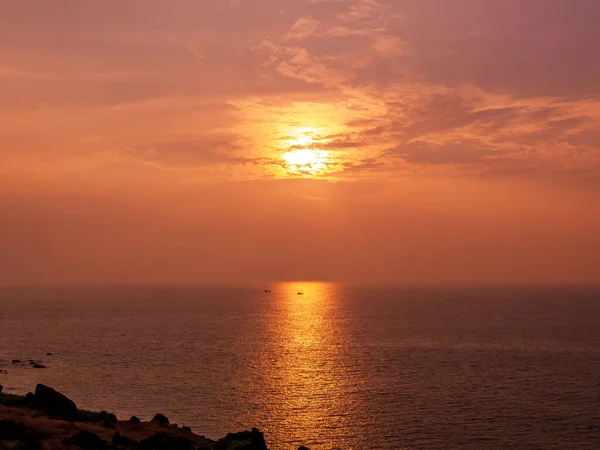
(337, 367)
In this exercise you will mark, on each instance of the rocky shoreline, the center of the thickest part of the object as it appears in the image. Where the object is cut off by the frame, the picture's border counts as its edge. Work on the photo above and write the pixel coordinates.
(48, 420)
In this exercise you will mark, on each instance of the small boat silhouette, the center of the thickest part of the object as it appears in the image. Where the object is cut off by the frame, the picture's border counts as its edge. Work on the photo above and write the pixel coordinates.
(267, 290)
(300, 293)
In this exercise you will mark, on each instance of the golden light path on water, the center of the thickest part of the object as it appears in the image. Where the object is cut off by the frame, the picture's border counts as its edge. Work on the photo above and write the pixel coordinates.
(310, 370)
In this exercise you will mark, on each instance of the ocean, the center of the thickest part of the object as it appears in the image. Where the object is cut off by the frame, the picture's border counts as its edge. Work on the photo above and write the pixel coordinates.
(336, 368)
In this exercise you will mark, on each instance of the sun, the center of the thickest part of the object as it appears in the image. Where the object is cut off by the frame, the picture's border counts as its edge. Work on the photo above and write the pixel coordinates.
(302, 155)
(306, 162)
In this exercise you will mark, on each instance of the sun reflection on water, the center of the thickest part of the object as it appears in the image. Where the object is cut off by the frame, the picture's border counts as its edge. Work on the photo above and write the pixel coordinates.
(310, 371)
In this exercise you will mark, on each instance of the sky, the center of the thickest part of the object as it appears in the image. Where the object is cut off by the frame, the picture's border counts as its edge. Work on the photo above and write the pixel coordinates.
(243, 141)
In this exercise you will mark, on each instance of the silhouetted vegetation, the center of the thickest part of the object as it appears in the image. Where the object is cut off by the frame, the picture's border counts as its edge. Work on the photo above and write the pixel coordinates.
(13, 399)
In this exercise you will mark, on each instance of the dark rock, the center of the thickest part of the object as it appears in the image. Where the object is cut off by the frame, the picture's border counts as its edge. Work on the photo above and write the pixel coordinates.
(32, 446)
(160, 418)
(241, 436)
(244, 440)
(134, 420)
(87, 441)
(39, 366)
(164, 442)
(54, 403)
(302, 447)
(258, 439)
(222, 444)
(14, 431)
(1, 387)
(123, 441)
(16, 361)
(108, 420)
(29, 397)
(187, 429)
(48, 354)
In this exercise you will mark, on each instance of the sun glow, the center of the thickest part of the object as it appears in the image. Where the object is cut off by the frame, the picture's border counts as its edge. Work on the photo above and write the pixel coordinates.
(303, 137)
(302, 155)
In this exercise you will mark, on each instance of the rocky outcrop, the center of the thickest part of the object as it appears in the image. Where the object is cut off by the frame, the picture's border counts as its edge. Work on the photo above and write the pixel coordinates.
(54, 403)
(27, 363)
(12, 431)
(60, 425)
(161, 441)
(246, 440)
(107, 420)
(160, 418)
(134, 420)
(122, 441)
(86, 441)
(19, 432)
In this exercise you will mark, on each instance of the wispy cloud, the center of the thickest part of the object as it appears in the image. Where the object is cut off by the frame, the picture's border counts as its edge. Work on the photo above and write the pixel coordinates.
(359, 71)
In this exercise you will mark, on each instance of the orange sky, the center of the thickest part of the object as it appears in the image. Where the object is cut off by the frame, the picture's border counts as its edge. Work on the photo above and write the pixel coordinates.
(395, 141)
